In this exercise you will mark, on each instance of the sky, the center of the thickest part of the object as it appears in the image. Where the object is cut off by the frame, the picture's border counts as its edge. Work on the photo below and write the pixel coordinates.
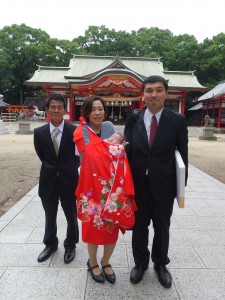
(67, 19)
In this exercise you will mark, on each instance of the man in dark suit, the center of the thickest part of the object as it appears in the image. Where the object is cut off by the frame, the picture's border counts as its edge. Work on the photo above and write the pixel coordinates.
(154, 174)
(54, 146)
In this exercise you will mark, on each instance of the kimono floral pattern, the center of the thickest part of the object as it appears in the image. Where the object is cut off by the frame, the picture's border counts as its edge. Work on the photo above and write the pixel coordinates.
(113, 200)
(105, 194)
(89, 210)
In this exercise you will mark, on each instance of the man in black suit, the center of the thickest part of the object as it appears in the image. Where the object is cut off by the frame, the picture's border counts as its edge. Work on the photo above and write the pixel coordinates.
(154, 174)
(54, 146)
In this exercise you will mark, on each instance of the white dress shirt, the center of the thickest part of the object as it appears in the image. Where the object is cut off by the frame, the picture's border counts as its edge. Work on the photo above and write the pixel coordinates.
(60, 128)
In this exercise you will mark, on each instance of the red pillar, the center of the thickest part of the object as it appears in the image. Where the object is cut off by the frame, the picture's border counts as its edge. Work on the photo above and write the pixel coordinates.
(72, 109)
(219, 115)
(47, 90)
(182, 107)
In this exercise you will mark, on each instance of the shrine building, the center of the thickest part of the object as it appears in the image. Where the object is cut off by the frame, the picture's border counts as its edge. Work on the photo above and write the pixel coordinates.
(117, 79)
(213, 104)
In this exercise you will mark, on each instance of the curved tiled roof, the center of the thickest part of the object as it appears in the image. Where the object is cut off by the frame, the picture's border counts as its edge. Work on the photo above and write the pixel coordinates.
(215, 92)
(84, 69)
(49, 75)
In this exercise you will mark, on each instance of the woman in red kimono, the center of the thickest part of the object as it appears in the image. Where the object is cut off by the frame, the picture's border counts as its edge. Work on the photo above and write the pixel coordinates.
(105, 194)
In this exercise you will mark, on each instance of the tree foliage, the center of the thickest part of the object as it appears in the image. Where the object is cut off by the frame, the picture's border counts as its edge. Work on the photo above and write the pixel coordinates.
(211, 67)
(104, 42)
(18, 57)
(22, 48)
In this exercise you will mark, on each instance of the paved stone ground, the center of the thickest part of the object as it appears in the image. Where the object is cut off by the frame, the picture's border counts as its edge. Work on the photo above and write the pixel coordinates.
(197, 251)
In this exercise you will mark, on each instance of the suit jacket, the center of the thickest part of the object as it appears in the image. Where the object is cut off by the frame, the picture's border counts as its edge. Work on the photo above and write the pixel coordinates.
(171, 134)
(64, 167)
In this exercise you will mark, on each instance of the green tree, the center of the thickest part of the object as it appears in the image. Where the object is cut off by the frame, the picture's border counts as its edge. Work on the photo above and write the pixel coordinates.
(186, 51)
(22, 48)
(211, 66)
(57, 52)
(154, 42)
(19, 46)
(101, 41)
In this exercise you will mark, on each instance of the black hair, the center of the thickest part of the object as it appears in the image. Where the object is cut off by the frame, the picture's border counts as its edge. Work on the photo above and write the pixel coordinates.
(86, 108)
(154, 79)
(56, 97)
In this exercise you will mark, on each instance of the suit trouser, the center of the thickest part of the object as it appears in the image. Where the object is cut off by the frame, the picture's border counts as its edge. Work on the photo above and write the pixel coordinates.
(51, 208)
(160, 214)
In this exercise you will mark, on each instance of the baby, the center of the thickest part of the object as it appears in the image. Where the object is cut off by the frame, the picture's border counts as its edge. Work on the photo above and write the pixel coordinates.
(116, 138)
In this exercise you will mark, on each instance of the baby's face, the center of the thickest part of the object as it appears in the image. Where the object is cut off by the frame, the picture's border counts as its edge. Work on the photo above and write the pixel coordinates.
(115, 139)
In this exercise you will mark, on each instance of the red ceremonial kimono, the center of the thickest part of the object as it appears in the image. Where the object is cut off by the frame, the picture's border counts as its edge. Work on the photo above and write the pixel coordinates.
(105, 192)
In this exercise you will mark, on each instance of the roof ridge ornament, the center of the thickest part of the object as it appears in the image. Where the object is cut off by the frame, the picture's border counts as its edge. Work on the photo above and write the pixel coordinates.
(117, 64)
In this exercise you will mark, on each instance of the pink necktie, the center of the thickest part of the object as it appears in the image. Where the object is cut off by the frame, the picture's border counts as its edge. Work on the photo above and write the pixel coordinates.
(153, 130)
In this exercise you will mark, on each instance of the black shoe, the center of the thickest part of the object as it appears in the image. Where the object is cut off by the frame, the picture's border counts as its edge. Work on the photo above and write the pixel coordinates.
(46, 253)
(98, 278)
(137, 273)
(69, 256)
(164, 276)
(111, 278)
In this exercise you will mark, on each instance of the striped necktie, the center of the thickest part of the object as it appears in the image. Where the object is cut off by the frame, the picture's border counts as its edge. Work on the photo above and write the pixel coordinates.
(55, 133)
(153, 130)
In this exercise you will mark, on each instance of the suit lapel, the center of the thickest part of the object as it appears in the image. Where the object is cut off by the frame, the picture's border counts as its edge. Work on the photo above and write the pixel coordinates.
(141, 126)
(48, 138)
(65, 134)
